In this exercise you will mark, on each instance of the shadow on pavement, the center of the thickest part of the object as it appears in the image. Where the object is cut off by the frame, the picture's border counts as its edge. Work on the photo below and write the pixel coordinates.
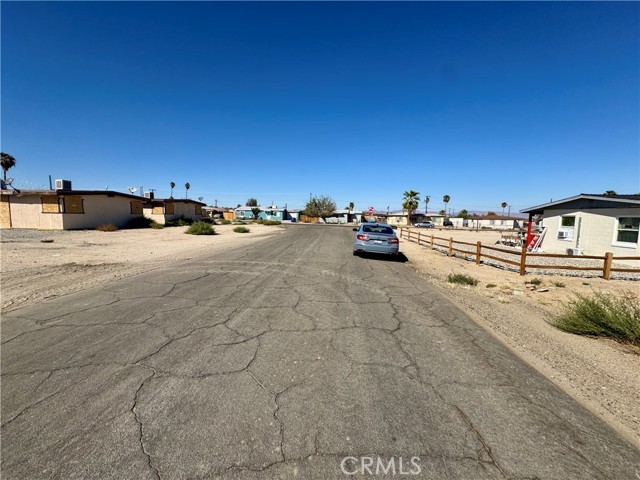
(401, 257)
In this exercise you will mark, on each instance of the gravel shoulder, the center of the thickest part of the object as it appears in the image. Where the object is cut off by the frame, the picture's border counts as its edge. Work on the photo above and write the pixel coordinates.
(602, 374)
(38, 264)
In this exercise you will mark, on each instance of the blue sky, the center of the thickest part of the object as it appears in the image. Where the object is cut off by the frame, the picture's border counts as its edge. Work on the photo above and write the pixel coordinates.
(485, 102)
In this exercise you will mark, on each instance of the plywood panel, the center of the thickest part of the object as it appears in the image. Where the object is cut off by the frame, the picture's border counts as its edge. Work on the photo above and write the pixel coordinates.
(73, 204)
(50, 204)
(136, 207)
(169, 208)
(5, 212)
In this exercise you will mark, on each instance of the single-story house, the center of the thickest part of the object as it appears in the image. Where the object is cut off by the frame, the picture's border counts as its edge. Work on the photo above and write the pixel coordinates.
(274, 213)
(245, 213)
(163, 210)
(67, 209)
(497, 222)
(590, 224)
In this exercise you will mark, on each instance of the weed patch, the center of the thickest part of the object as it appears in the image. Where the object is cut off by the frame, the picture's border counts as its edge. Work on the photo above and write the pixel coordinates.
(201, 228)
(601, 315)
(462, 279)
(241, 230)
(107, 227)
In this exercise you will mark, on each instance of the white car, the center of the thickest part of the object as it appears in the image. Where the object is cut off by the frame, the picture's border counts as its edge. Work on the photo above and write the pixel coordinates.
(424, 225)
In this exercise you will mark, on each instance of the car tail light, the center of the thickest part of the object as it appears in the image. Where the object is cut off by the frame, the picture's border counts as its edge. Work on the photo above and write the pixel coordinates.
(363, 237)
(393, 240)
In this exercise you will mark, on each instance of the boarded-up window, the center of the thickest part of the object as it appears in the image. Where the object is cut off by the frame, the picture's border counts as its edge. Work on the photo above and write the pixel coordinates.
(198, 210)
(157, 210)
(50, 204)
(136, 207)
(73, 204)
(5, 212)
(169, 210)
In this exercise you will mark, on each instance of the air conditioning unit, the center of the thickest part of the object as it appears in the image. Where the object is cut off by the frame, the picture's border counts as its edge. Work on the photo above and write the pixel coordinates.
(563, 234)
(574, 251)
(63, 184)
(148, 195)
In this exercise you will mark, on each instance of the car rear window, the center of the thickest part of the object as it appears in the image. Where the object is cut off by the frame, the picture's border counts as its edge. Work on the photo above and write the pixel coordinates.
(377, 229)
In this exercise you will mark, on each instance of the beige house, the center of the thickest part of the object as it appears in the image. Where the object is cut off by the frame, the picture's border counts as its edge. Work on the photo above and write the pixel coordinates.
(169, 209)
(497, 222)
(67, 209)
(591, 225)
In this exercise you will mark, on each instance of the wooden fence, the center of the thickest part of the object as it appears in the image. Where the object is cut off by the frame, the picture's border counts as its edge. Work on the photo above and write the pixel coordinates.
(519, 259)
(305, 219)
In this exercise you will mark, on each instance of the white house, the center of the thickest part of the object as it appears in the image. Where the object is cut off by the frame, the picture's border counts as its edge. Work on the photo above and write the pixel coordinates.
(591, 225)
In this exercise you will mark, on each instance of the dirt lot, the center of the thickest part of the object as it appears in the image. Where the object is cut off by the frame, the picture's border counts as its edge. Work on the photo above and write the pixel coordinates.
(41, 264)
(601, 374)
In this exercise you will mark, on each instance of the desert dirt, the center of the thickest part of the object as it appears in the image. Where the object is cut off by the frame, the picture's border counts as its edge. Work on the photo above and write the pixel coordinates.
(601, 374)
(36, 265)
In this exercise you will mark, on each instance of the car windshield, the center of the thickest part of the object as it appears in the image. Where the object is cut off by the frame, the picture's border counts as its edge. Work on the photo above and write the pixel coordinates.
(377, 229)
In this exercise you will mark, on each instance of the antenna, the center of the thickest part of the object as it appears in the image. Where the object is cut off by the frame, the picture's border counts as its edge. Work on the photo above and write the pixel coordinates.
(200, 198)
(132, 190)
(106, 187)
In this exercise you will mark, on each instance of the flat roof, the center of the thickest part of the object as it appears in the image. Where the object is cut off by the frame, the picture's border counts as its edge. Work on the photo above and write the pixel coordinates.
(630, 199)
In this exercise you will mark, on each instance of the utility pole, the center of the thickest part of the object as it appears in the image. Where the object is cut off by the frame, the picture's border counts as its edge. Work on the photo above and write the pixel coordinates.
(426, 204)
(509, 211)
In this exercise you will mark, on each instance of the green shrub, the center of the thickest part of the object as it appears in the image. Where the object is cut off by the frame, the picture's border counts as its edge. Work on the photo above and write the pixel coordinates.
(201, 228)
(270, 222)
(462, 279)
(241, 230)
(617, 317)
(491, 285)
(107, 227)
(180, 222)
(156, 225)
(224, 221)
(535, 281)
(559, 284)
(139, 222)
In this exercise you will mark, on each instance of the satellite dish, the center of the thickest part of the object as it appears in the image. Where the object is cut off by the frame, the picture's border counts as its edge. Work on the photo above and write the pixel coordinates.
(8, 181)
(106, 187)
(133, 189)
(200, 198)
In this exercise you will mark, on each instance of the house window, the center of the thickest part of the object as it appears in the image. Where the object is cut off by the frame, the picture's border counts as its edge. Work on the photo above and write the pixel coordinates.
(567, 226)
(50, 204)
(136, 207)
(73, 204)
(628, 228)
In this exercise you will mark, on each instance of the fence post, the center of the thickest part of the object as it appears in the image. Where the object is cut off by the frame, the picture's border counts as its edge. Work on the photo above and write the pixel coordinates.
(400, 228)
(608, 260)
(478, 252)
(432, 241)
(450, 246)
(523, 259)
(418, 238)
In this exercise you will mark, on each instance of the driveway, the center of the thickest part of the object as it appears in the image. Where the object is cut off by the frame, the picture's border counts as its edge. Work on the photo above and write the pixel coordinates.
(287, 358)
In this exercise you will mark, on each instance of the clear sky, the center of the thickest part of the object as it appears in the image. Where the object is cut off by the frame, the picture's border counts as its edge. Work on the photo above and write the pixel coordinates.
(485, 102)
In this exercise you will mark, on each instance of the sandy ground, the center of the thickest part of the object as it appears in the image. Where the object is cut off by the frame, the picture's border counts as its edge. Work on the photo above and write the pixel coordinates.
(32, 270)
(602, 374)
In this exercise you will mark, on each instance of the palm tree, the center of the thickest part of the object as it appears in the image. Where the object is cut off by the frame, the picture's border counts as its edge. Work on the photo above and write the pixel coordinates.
(187, 186)
(172, 185)
(426, 204)
(410, 203)
(446, 199)
(7, 162)
(608, 193)
(503, 205)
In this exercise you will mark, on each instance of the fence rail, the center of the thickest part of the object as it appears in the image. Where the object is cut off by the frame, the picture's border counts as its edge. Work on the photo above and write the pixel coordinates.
(521, 257)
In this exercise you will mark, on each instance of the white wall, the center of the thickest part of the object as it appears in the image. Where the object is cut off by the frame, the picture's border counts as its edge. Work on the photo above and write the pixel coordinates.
(99, 210)
(598, 231)
(26, 212)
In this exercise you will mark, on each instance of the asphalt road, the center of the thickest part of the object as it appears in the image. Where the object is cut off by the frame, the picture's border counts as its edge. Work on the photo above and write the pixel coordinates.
(279, 360)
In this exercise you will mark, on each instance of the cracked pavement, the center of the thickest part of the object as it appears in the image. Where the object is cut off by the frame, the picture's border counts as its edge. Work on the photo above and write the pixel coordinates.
(277, 360)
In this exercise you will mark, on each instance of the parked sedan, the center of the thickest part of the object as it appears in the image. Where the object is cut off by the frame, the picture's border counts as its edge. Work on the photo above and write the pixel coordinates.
(375, 238)
(424, 225)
